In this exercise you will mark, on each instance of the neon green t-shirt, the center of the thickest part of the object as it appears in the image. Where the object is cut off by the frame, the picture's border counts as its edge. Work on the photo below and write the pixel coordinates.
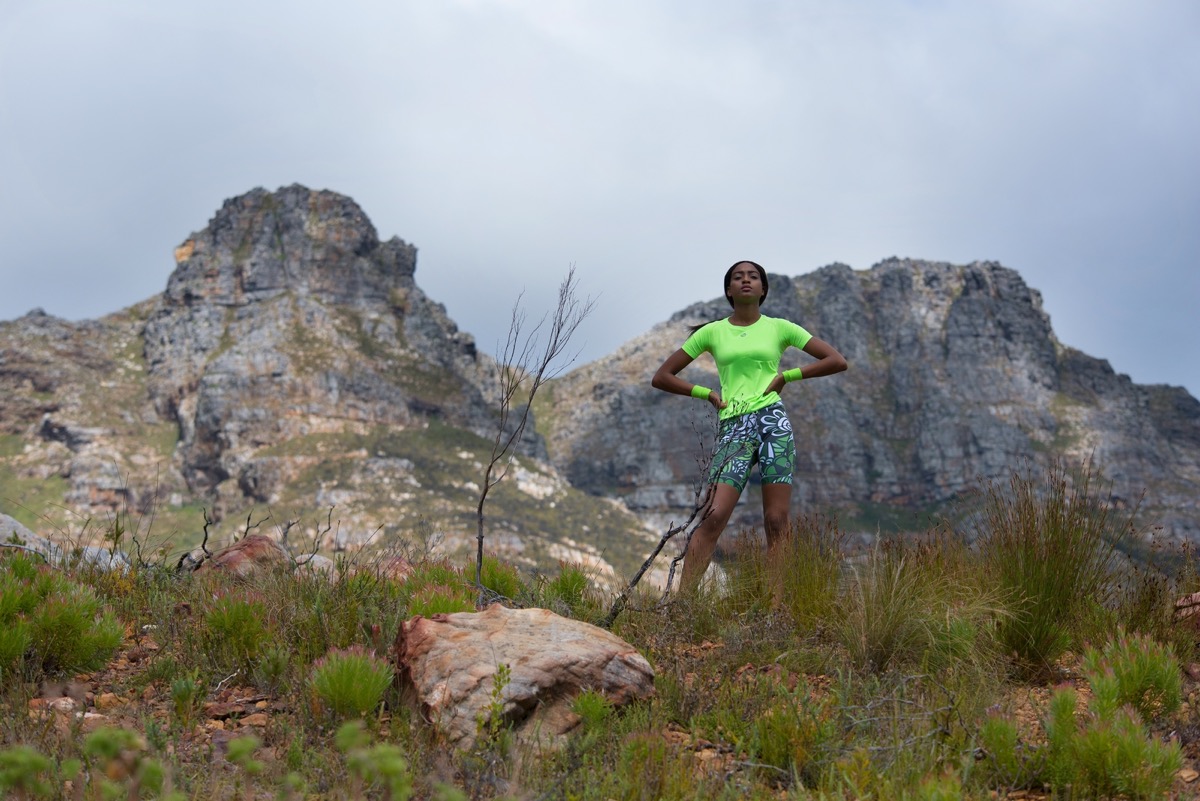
(747, 358)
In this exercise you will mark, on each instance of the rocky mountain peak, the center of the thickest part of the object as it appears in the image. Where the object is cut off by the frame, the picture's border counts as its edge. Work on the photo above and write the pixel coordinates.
(312, 243)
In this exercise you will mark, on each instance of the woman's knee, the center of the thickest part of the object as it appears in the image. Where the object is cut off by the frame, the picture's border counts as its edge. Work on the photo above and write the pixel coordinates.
(776, 521)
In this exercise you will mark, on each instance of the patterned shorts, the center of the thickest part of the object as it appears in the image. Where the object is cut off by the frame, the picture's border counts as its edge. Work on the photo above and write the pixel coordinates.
(765, 437)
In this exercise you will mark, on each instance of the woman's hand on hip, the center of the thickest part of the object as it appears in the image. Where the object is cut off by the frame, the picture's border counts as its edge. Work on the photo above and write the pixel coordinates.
(776, 385)
(714, 398)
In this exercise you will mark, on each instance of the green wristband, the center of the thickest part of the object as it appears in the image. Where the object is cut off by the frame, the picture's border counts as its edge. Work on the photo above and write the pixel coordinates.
(701, 392)
(792, 375)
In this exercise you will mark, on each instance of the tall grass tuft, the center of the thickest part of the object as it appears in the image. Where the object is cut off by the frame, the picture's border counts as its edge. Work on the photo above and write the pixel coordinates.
(1051, 546)
(811, 569)
(235, 631)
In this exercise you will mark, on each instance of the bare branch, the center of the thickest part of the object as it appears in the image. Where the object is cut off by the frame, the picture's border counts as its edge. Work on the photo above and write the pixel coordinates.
(526, 361)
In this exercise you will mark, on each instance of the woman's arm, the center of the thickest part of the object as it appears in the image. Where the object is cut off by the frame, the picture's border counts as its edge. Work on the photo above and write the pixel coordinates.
(666, 378)
(828, 362)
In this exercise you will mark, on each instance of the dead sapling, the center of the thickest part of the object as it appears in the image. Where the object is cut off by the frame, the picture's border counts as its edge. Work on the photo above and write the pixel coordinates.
(528, 359)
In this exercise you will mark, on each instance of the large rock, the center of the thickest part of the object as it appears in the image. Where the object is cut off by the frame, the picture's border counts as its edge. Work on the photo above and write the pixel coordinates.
(249, 556)
(447, 664)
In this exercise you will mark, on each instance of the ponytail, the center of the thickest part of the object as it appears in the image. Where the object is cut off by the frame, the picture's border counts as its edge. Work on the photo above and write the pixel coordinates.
(694, 328)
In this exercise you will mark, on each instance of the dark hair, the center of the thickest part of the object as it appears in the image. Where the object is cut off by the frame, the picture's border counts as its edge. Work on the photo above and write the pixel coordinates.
(762, 274)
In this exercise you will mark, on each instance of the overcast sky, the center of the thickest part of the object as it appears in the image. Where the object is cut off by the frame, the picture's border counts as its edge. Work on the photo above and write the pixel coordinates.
(650, 143)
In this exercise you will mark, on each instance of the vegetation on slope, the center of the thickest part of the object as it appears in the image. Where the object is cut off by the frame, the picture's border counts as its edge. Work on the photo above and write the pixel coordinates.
(896, 672)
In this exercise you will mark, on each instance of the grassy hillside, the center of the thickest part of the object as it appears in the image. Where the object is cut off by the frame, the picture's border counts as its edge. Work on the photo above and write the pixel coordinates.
(1038, 664)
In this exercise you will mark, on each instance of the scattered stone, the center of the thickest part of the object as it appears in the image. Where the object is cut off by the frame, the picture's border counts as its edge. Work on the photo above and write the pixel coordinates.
(448, 664)
(63, 704)
(1188, 775)
(106, 701)
(257, 719)
(91, 721)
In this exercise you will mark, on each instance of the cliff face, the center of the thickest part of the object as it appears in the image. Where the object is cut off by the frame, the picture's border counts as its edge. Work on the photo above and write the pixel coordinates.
(955, 376)
(294, 371)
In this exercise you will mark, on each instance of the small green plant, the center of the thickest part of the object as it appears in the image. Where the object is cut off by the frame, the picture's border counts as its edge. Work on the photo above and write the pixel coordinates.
(235, 629)
(187, 693)
(270, 670)
(119, 752)
(1103, 753)
(14, 642)
(375, 765)
(23, 772)
(1010, 764)
(593, 709)
(241, 753)
(350, 682)
(1134, 669)
(568, 592)
(492, 719)
(794, 733)
(1110, 756)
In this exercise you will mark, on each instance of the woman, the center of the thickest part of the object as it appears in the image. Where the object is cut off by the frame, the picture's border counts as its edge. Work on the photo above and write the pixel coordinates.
(754, 427)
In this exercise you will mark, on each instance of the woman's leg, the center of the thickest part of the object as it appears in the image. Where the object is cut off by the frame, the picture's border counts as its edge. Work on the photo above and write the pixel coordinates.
(704, 538)
(777, 500)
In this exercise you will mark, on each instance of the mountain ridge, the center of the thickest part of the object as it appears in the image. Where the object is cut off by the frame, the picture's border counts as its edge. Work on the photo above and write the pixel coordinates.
(293, 367)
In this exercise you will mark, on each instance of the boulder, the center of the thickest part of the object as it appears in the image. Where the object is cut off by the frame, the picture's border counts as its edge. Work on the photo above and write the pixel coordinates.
(448, 664)
(252, 554)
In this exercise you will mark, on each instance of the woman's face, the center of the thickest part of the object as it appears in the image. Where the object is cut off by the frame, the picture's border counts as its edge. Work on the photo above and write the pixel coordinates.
(745, 284)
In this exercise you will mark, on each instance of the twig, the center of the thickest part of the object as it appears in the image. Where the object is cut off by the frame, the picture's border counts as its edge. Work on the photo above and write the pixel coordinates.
(221, 683)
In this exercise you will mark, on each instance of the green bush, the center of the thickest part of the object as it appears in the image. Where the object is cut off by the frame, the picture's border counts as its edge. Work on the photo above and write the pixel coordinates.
(1134, 669)
(23, 771)
(1110, 756)
(14, 642)
(440, 600)
(351, 681)
(187, 694)
(794, 734)
(569, 593)
(52, 622)
(593, 709)
(376, 765)
(1105, 753)
(904, 609)
(501, 579)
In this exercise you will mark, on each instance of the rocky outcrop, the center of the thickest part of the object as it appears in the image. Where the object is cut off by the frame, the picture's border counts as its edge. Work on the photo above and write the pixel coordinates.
(287, 316)
(955, 378)
(449, 664)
